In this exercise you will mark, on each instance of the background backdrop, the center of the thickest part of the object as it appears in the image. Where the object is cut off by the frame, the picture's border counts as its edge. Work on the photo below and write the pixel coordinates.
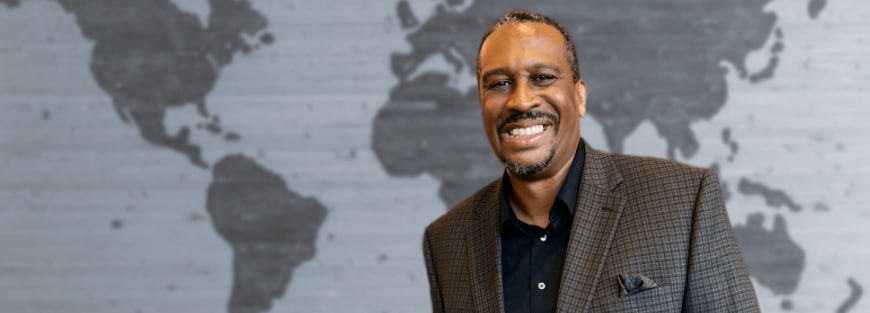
(285, 156)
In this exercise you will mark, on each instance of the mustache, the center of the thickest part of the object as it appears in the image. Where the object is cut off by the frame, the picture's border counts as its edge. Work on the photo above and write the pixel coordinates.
(530, 115)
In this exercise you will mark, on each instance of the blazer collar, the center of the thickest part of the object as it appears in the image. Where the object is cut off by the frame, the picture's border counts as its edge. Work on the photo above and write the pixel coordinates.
(484, 251)
(599, 207)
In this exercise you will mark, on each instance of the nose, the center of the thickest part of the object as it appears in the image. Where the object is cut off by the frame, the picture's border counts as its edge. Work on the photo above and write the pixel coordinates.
(522, 98)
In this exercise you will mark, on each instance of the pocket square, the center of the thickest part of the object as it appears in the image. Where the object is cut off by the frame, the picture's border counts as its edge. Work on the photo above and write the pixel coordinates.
(633, 283)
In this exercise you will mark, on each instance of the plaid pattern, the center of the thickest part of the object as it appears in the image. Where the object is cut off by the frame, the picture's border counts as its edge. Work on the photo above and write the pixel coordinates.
(635, 215)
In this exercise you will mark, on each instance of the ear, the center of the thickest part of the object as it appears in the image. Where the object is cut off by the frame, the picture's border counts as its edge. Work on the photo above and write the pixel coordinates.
(580, 88)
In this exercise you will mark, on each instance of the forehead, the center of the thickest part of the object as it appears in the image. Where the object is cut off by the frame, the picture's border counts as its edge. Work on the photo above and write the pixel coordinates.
(521, 44)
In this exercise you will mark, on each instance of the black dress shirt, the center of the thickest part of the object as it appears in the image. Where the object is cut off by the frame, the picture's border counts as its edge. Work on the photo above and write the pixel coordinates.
(532, 257)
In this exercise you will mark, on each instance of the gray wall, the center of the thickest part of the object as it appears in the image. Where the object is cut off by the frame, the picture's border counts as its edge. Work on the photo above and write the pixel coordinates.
(278, 156)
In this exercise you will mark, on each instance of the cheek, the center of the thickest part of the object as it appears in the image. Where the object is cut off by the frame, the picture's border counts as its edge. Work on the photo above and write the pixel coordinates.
(566, 108)
(489, 129)
(560, 104)
(565, 102)
(490, 112)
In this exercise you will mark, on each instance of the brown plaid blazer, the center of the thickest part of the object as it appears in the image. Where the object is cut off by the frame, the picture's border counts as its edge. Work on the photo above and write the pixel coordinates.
(635, 216)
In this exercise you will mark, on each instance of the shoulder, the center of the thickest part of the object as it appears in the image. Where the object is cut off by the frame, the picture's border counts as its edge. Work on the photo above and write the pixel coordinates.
(651, 181)
(658, 173)
(459, 217)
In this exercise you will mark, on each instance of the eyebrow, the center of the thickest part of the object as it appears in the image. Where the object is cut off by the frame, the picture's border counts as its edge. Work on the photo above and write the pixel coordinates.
(551, 67)
(504, 71)
(493, 72)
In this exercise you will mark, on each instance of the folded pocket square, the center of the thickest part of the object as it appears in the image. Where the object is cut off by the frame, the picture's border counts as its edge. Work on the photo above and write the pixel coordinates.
(633, 283)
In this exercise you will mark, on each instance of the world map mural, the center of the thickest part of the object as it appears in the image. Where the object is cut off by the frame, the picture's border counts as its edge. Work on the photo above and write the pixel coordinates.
(258, 156)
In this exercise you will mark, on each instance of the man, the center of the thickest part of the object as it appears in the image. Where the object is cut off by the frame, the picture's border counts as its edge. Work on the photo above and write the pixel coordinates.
(569, 228)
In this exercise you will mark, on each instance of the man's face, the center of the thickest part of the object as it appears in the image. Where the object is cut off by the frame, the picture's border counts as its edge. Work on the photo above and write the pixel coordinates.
(530, 103)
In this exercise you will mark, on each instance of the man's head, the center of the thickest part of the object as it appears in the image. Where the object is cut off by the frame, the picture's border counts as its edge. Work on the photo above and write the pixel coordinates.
(531, 94)
(522, 16)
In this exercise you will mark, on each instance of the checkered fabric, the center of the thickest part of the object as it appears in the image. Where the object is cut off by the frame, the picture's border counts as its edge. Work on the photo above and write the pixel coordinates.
(636, 216)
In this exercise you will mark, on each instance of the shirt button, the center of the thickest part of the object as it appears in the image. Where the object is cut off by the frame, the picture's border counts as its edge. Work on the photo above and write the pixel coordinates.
(544, 237)
(541, 285)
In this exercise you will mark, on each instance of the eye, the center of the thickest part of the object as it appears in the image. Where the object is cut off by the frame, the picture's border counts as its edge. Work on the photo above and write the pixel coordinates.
(543, 78)
(499, 84)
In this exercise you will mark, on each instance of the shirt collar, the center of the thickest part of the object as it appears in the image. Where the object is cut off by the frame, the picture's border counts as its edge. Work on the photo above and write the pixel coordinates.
(567, 196)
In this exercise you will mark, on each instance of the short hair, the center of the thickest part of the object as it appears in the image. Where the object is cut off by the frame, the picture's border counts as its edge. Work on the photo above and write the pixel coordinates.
(523, 16)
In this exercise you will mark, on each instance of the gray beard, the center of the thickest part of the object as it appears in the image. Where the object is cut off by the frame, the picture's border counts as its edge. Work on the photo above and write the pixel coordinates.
(529, 170)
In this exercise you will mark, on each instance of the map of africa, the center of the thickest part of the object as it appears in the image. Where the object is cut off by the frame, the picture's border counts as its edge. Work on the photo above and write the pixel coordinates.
(307, 200)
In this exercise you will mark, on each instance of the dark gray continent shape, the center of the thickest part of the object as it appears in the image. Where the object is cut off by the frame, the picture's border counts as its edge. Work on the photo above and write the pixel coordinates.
(772, 257)
(815, 7)
(774, 198)
(11, 3)
(406, 16)
(426, 128)
(855, 292)
(270, 228)
(655, 61)
(149, 56)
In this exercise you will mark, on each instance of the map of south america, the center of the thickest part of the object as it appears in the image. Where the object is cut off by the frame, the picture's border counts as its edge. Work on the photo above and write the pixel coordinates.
(270, 228)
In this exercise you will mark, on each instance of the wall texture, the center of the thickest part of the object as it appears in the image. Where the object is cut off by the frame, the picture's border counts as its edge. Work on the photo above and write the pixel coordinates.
(284, 156)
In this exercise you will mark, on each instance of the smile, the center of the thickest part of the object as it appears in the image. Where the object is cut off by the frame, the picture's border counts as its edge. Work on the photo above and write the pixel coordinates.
(527, 131)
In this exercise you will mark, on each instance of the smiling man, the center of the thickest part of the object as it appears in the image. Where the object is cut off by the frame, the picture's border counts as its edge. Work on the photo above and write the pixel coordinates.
(569, 228)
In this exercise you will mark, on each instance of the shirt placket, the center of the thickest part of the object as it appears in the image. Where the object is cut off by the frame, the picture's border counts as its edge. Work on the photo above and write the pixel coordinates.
(539, 283)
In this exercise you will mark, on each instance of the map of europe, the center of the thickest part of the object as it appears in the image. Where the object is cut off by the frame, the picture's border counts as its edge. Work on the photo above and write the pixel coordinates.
(662, 63)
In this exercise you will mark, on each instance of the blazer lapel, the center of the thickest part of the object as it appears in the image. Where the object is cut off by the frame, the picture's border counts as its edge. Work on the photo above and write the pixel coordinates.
(484, 251)
(599, 207)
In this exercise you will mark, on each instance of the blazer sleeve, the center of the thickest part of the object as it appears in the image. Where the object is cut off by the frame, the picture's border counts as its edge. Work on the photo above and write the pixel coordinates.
(434, 289)
(717, 279)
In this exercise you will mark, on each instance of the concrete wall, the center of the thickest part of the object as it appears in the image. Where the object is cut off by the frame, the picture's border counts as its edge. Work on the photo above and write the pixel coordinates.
(278, 156)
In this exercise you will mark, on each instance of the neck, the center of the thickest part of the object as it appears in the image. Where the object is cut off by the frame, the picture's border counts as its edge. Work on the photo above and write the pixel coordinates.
(532, 197)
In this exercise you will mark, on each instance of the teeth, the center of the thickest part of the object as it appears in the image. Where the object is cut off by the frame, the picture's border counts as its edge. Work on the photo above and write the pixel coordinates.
(531, 130)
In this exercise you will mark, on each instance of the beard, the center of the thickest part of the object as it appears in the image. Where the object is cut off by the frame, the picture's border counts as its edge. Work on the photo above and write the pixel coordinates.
(529, 169)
